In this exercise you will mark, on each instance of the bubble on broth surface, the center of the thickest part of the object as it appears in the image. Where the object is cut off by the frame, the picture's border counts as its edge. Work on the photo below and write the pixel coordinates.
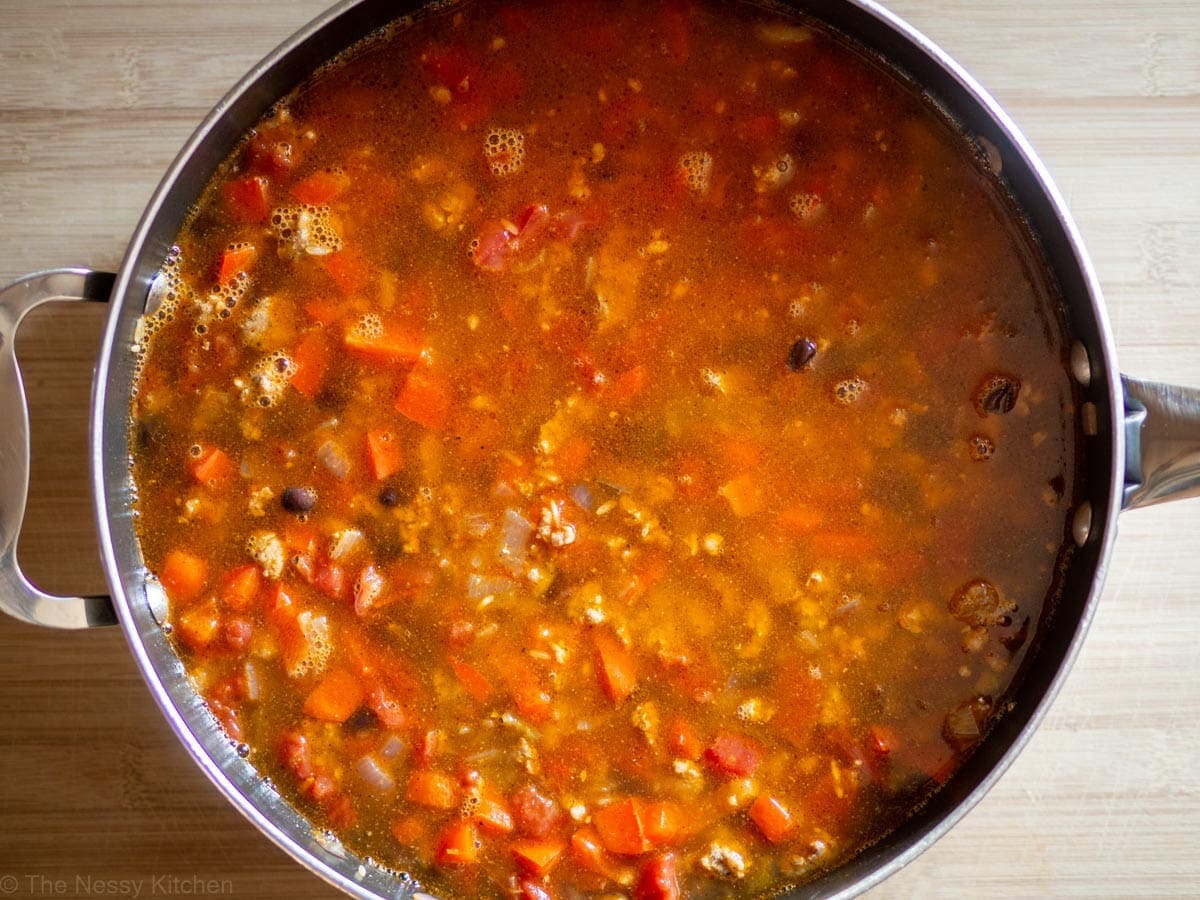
(505, 151)
(773, 175)
(305, 229)
(368, 328)
(267, 380)
(849, 390)
(696, 169)
(806, 206)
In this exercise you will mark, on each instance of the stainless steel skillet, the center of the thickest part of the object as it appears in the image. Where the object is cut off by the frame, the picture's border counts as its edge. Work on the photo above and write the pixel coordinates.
(1105, 459)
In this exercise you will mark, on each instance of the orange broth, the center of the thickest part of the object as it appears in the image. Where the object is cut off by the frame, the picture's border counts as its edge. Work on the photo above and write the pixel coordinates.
(604, 449)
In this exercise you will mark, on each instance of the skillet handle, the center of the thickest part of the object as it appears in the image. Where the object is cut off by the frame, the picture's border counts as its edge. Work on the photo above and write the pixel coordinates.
(18, 597)
(1162, 442)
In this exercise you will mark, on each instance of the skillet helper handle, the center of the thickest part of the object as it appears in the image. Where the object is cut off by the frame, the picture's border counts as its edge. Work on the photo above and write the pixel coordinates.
(18, 597)
(1162, 442)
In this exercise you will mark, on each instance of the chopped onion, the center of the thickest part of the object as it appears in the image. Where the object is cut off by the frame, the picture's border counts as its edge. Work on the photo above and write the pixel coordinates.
(962, 727)
(514, 544)
(784, 33)
(253, 685)
(372, 774)
(480, 586)
(333, 457)
(391, 747)
(344, 543)
(582, 495)
(367, 589)
(476, 524)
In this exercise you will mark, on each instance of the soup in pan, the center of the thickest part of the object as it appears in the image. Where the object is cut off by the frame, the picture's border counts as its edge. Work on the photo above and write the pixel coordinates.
(604, 449)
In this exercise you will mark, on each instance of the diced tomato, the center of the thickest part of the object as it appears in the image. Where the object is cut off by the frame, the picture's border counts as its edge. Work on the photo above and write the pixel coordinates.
(235, 260)
(424, 399)
(183, 575)
(335, 698)
(240, 587)
(731, 754)
(388, 710)
(392, 345)
(311, 358)
(773, 819)
(532, 890)
(682, 740)
(472, 679)
(330, 579)
(498, 241)
(882, 739)
(246, 199)
(620, 827)
(658, 879)
(628, 385)
(433, 789)
(538, 857)
(268, 157)
(534, 814)
(384, 455)
(617, 667)
(341, 812)
(320, 188)
(293, 753)
(211, 467)
(236, 633)
(197, 625)
(453, 66)
(458, 845)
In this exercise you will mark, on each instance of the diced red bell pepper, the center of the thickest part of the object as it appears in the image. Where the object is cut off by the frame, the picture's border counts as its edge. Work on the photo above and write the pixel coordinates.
(658, 879)
(246, 199)
(773, 819)
(383, 454)
(731, 754)
(537, 857)
(235, 259)
(617, 667)
(620, 827)
(498, 241)
(458, 845)
(311, 358)
(321, 187)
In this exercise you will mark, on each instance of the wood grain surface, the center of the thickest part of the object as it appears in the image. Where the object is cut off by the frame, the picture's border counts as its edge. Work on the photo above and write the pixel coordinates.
(95, 99)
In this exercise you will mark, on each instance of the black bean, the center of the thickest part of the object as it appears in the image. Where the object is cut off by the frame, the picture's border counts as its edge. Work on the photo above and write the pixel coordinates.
(996, 395)
(298, 499)
(801, 354)
(389, 497)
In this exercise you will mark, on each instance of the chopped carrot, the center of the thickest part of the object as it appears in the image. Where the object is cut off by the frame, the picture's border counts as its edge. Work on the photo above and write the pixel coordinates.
(211, 467)
(744, 494)
(773, 819)
(197, 625)
(472, 679)
(311, 357)
(240, 587)
(571, 456)
(320, 187)
(458, 845)
(618, 670)
(246, 199)
(383, 454)
(183, 575)
(322, 310)
(348, 269)
(662, 822)
(491, 813)
(682, 740)
(538, 857)
(628, 385)
(424, 399)
(800, 520)
(336, 698)
(432, 789)
(391, 345)
(235, 259)
(620, 827)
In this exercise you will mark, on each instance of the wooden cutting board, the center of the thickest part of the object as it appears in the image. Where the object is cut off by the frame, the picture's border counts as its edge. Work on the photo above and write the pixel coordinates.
(95, 795)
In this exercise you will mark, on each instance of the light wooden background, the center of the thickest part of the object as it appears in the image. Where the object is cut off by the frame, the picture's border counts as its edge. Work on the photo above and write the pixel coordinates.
(95, 98)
